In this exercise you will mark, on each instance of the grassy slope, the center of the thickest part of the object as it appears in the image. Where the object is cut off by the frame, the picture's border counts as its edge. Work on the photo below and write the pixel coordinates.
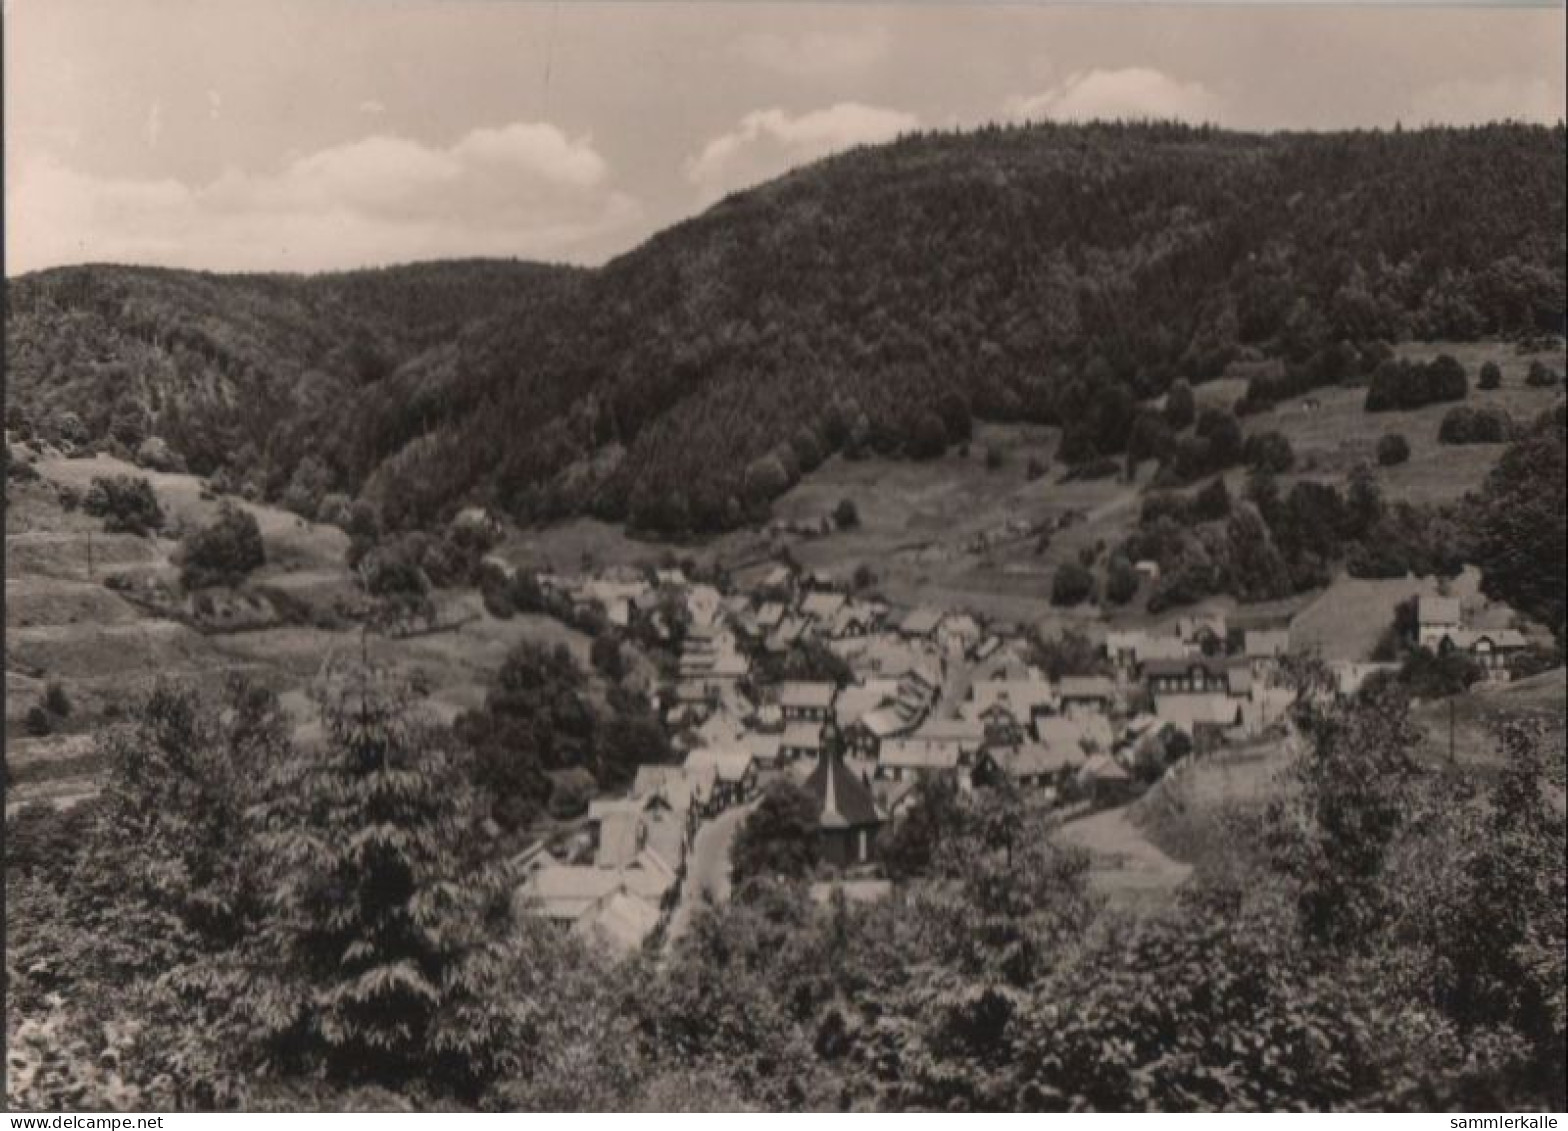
(104, 650)
(1331, 441)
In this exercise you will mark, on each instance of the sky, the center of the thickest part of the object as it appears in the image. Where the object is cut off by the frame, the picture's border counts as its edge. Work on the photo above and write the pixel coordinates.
(309, 135)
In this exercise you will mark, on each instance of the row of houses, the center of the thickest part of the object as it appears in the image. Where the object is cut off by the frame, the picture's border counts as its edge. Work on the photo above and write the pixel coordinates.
(639, 845)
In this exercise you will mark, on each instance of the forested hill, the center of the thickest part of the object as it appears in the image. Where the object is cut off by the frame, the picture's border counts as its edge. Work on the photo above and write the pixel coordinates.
(247, 372)
(881, 298)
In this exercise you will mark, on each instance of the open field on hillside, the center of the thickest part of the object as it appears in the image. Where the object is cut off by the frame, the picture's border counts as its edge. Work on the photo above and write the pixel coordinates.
(42, 600)
(566, 546)
(1333, 439)
(104, 650)
(954, 532)
(65, 555)
(292, 543)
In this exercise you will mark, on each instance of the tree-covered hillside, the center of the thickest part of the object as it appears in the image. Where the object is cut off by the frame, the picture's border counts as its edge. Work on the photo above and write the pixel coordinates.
(883, 298)
(247, 373)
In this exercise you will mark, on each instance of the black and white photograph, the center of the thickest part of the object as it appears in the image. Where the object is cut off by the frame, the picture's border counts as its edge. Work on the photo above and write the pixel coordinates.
(664, 556)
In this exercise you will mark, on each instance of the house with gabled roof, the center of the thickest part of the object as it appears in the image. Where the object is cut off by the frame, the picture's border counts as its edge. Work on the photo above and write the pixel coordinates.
(1032, 765)
(734, 769)
(1211, 713)
(921, 622)
(808, 700)
(907, 758)
(850, 622)
(1205, 630)
(1008, 707)
(1085, 692)
(564, 892)
(821, 605)
(866, 735)
(802, 739)
(1195, 675)
(1436, 617)
(856, 700)
(1078, 734)
(968, 734)
(1488, 649)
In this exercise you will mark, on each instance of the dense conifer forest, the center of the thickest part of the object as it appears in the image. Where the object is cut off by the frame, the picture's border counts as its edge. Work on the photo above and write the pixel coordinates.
(878, 300)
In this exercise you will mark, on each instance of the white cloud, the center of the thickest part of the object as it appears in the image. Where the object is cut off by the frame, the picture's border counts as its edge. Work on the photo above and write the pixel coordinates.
(768, 142)
(1464, 102)
(835, 54)
(1132, 93)
(524, 189)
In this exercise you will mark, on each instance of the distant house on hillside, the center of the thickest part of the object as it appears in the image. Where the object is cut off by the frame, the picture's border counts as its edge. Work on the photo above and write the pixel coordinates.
(1436, 617)
(1490, 650)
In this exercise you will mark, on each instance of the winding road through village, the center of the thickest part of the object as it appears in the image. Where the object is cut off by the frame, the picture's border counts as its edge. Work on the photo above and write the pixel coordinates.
(707, 867)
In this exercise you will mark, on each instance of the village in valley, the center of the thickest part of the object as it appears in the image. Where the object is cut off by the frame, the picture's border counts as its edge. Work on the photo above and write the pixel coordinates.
(902, 694)
(673, 557)
(894, 623)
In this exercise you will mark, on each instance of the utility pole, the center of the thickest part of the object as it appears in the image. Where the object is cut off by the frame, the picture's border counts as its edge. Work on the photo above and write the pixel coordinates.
(1450, 730)
(89, 555)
